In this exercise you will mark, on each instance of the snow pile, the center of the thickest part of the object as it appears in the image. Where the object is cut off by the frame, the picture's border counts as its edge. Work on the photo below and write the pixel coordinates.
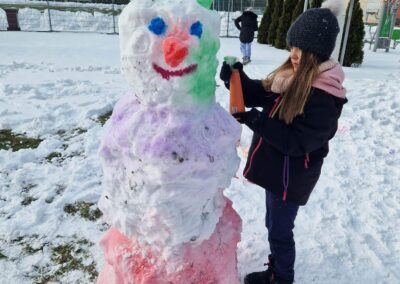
(32, 19)
(169, 149)
(68, 4)
(35, 20)
(3, 20)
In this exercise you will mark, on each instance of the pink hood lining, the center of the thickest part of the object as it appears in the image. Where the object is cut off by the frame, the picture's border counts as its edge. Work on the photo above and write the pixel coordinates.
(331, 81)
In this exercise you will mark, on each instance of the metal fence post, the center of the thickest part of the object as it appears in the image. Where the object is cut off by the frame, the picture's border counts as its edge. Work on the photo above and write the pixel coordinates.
(48, 9)
(305, 5)
(228, 19)
(113, 15)
(346, 32)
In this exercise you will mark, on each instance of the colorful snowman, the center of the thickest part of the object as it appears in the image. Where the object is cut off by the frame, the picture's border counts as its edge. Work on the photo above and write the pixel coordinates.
(168, 152)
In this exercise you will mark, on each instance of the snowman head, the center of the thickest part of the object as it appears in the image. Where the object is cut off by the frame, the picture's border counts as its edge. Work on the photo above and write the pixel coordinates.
(168, 50)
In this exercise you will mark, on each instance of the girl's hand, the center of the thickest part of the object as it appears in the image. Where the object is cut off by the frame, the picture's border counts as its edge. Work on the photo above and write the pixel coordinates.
(226, 72)
(247, 117)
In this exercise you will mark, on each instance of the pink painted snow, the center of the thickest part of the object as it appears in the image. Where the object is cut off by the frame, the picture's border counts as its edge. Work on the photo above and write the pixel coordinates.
(210, 262)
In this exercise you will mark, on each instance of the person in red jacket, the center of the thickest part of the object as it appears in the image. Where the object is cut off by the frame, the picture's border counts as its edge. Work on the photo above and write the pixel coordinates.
(301, 103)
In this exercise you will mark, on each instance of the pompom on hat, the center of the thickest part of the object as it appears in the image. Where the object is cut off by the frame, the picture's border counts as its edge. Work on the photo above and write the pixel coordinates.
(316, 29)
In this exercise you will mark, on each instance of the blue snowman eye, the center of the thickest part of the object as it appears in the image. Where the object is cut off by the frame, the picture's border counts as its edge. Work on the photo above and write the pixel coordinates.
(158, 26)
(196, 29)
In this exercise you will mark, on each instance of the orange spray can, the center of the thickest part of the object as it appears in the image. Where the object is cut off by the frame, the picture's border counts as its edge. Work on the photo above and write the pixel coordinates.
(236, 102)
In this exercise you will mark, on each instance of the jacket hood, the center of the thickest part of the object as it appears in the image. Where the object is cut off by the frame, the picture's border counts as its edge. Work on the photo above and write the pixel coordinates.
(250, 13)
(331, 81)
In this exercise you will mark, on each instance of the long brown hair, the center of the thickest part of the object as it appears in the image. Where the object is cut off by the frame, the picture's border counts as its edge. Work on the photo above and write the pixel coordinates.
(296, 94)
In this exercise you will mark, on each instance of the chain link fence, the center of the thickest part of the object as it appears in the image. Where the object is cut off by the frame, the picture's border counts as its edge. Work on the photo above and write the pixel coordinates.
(229, 10)
(99, 16)
(77, 16)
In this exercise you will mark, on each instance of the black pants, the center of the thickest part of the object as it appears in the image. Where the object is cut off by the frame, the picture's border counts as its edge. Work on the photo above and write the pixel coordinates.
(280, 223)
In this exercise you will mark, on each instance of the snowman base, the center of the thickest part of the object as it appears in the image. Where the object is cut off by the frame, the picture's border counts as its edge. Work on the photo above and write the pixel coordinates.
(212, 261)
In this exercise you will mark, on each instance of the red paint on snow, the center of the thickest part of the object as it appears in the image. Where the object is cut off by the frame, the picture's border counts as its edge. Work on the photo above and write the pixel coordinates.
(175, 51)
(166, 74)
(211, 262)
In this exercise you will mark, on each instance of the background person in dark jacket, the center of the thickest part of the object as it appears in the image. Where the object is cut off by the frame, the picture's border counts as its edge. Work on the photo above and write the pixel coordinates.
(247, 24)
(301, 103)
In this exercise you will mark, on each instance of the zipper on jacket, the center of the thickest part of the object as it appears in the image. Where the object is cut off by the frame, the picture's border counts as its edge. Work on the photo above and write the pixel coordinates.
(306, 160)
(277, 100)
(252, 156)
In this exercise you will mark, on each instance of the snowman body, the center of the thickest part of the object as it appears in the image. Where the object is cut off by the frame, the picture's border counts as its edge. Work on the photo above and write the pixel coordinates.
(168, 152)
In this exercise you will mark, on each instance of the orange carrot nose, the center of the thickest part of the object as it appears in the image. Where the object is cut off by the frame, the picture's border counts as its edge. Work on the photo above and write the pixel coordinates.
(175, 51)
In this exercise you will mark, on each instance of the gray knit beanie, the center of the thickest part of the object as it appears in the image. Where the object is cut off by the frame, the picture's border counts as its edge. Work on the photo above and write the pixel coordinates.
(315, 30)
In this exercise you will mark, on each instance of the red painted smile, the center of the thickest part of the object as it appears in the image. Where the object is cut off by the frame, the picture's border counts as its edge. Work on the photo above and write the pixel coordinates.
(166, 74)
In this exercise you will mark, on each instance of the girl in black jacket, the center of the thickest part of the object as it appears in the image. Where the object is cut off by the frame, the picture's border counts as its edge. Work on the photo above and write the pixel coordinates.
(301, 103)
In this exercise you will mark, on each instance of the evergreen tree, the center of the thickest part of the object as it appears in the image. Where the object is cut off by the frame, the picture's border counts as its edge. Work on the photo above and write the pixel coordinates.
(284, 23)
(262, 36)
(298, 10)
(278, 7)
(316, 3)
(354, 50)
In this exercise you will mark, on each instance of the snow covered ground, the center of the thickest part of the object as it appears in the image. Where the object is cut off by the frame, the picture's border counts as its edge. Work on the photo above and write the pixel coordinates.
(57, 86)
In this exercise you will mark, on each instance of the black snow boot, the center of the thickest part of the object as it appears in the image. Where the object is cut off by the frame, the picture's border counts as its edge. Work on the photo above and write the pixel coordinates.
(262, 277)
(265, 277)
(276, 280)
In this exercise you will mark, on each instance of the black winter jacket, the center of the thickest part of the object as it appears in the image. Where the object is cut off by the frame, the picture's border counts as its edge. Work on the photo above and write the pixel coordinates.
(247, 24)
(287, 159)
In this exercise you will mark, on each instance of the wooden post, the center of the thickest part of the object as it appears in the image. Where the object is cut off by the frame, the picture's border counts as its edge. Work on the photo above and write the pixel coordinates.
(12, 19)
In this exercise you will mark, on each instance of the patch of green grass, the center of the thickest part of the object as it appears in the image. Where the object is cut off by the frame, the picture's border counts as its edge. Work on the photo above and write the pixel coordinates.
(26, 243)
(49, 200)
(61, 132)
(66, 135)
(102, 119)
(67, 257)
(28, 249)
(79, 131)
(15, 142)
(28, 200)
(2, 256)
(53, 155)
(60, 188)
(17, 240)
(27, 187)
(103, 227)
(59, 156)
(75, 154)
(70, 257)
(84, 210)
